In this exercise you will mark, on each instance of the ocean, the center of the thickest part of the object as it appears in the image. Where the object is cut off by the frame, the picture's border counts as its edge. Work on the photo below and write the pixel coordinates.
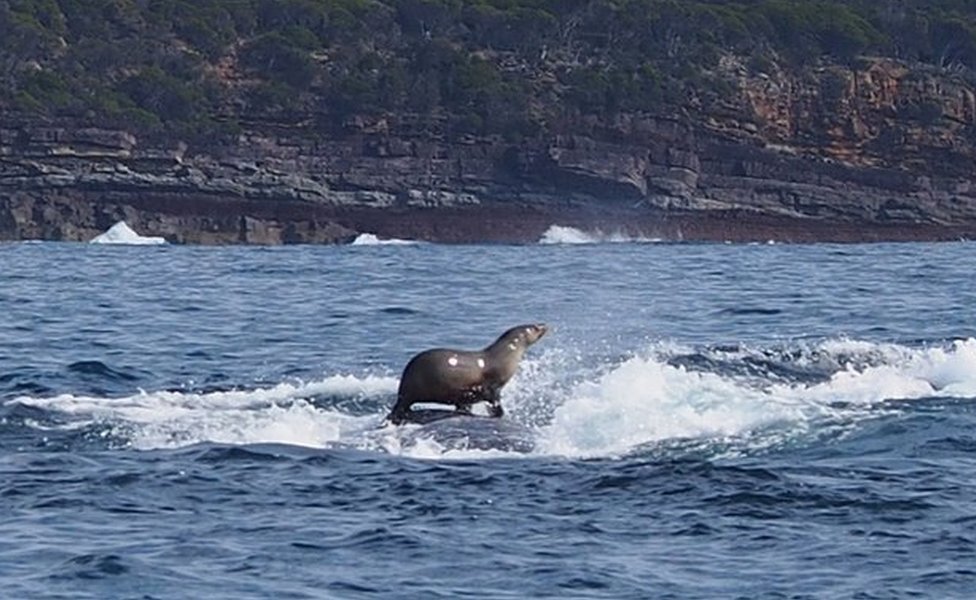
(701, 421)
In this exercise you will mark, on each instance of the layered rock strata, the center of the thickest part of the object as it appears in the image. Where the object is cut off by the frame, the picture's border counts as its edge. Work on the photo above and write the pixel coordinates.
(878, 152)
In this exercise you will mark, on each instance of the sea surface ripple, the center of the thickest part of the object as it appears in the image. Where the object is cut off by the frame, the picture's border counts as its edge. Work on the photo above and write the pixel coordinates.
(702, 421)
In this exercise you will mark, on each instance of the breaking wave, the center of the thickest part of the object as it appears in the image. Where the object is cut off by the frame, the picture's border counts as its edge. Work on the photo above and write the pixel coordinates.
(731, 400)
(122, 234)
(559, 234)
(369, 239)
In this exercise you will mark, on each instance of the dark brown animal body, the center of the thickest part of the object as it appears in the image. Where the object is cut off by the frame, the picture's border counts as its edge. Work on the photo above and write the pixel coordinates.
(462, 378)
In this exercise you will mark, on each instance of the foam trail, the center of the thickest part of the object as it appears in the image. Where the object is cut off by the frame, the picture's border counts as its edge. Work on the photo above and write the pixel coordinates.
(614, 410)
(280, 414)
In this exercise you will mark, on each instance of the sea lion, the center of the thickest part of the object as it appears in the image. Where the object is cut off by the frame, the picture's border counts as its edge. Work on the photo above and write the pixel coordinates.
(461, 378)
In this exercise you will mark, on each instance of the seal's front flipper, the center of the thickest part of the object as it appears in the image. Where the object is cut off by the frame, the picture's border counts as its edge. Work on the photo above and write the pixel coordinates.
(495, 410)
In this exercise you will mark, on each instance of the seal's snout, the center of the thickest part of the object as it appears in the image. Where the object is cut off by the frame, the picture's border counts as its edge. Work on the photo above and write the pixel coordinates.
(537, 331)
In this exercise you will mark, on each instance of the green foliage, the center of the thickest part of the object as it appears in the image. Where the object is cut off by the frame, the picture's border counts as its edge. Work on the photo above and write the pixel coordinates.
(609, 91)
(280, 58)
(496, 67)
(105, 20)
(43, 90)
(119, 109)
(815, 28)
(518, 28)
(163, 95)
(41, 15)
(272, 98)
(209, 27)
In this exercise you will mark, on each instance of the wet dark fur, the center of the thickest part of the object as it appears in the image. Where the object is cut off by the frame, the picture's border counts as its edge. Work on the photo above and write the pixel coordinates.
(430, 378)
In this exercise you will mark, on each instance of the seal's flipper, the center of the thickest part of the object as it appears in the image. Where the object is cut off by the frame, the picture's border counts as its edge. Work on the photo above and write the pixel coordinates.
(495, 409)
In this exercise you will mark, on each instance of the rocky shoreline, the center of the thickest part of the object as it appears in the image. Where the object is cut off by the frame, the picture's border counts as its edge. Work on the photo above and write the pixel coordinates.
(79, 211)
(226, 123)
(220, 221)
(805, 167)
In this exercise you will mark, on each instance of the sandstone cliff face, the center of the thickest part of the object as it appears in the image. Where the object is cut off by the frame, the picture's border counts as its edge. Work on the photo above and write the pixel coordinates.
(880, 151)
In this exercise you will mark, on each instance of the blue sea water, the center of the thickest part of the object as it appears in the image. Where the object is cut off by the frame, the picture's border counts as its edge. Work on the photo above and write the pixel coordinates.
(702, 421)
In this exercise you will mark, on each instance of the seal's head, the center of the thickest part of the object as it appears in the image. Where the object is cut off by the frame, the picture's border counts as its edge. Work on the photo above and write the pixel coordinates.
(502, 357)
(518, 338)
(532, 333)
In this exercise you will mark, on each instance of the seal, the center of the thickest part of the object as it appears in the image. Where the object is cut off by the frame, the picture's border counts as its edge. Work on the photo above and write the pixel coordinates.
(461, 378)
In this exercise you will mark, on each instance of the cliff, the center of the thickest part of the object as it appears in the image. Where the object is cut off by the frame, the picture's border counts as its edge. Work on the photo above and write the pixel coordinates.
(874, 148)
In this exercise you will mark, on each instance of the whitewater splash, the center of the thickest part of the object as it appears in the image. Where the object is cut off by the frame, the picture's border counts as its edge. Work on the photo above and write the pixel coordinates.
(286, 413)
(121, 233)
(618, 409)
(369, 239)
(559, 234)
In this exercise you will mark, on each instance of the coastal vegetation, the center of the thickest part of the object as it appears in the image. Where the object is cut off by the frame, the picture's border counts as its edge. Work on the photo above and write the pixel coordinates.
(473, 67)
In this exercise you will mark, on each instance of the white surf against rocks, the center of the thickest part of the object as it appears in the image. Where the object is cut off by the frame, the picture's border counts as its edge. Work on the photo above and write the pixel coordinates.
(369, 239)
(121, 233)
(560, 234)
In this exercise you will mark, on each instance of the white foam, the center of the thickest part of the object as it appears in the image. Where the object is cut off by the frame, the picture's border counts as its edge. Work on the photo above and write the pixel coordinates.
(645, 400)
(369, 239)
(121, 233)
(560, 234)
(279, 414)
(952, 372)
(614, 410)
(392, 441)
(903, 373)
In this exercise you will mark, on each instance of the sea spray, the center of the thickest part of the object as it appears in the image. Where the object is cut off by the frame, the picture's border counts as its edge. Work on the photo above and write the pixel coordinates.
(122, 234)
(370, 239)
(611, 410)
(560, 234)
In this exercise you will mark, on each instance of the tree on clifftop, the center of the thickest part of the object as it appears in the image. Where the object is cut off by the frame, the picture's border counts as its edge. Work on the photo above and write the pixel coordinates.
(505, 67)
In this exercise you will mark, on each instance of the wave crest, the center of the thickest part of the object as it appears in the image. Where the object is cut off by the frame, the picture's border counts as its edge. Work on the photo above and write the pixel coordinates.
(121, 233)
(734, 399)
(560, 234)
(369, 239)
